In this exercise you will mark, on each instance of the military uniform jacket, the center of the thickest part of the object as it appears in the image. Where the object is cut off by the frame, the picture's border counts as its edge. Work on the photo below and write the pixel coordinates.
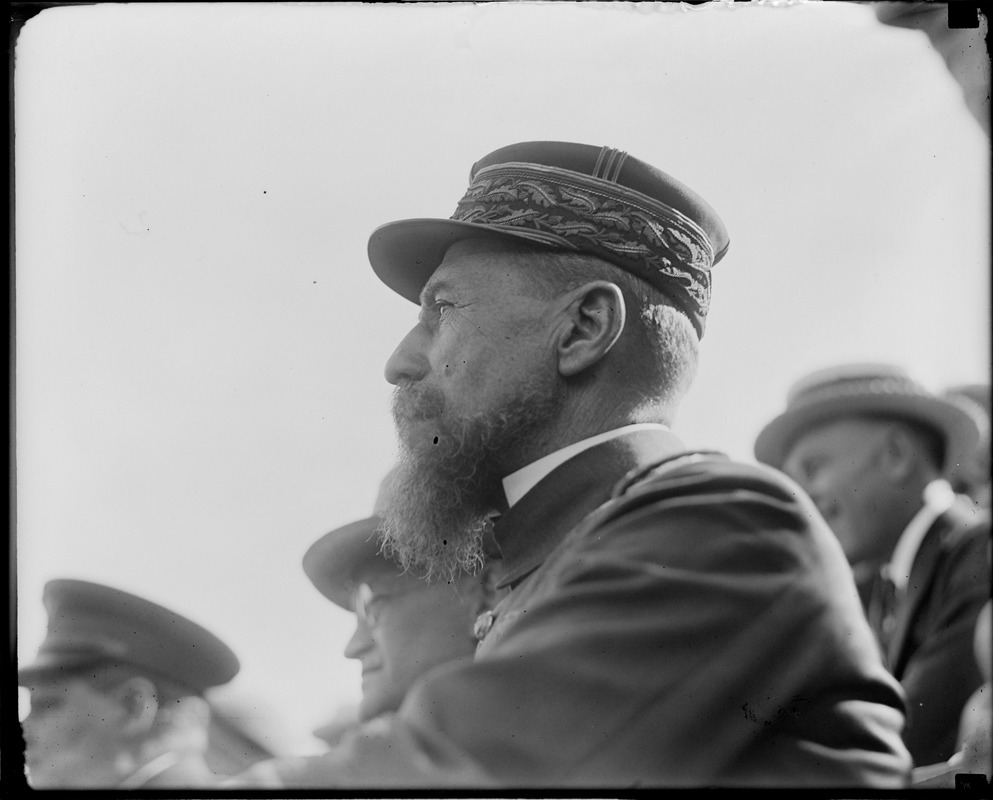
(931, 650)
(671, 622)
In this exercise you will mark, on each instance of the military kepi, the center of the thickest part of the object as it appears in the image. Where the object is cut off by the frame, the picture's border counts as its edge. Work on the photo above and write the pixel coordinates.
(91, 624)
(570, 197)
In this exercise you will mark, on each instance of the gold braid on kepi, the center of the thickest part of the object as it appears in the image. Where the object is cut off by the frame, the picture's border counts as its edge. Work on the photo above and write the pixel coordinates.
(574, 198)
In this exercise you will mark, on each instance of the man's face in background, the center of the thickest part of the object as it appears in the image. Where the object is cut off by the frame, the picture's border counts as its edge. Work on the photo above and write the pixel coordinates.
(405, 627)
(838, 464)
(72, 734)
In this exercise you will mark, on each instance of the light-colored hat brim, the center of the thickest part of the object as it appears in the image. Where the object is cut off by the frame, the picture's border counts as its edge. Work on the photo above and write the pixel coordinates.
(404, 254)
(959, 428)
(332, 561)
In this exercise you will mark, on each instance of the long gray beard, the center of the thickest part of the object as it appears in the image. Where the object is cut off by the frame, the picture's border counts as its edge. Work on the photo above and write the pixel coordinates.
(447, 482)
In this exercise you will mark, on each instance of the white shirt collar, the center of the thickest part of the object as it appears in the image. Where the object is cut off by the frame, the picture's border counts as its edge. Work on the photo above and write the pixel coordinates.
(938, 498)
(519, 483)
(153, 768)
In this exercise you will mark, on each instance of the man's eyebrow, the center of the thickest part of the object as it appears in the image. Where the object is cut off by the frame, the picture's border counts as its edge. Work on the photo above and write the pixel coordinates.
(432, 287)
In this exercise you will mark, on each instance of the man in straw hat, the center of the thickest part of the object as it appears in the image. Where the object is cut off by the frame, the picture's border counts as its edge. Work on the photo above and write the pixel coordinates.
(117, 692)
(869, 444)
(673, 618)
(404, 626)
(969, 472)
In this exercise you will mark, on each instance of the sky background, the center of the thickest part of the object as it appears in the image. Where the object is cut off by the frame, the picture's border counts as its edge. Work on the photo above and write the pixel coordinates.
(200, 340)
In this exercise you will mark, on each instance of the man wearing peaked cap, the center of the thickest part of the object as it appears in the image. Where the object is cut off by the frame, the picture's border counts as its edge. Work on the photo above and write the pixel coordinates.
(671, 618)
(116, 692)
(571, 198)
(404, 626)
(870, 445)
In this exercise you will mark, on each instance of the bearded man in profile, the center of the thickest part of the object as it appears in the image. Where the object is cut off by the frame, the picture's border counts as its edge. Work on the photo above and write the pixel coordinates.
(448, 479)
(672, 618)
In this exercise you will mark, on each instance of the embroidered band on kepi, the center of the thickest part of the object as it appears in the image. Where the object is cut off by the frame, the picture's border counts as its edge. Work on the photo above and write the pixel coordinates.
(570, 197)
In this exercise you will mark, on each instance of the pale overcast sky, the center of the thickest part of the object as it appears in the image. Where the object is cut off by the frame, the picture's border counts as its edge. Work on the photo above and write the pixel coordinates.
(200, 340)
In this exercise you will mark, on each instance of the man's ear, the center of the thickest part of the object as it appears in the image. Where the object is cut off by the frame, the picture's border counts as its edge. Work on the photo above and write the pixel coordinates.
(901, 452)
(139, 701)
(594, 320)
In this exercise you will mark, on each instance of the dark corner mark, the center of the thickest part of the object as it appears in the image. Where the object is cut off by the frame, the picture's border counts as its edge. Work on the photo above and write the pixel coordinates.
(22, 10)
(972, 781)
(963, 14)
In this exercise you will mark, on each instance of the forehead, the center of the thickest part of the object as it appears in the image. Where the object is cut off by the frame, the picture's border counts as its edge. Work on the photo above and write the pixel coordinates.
(839, 433)
(382, 575)
(479, 264)
(63, 686)
(394, 585)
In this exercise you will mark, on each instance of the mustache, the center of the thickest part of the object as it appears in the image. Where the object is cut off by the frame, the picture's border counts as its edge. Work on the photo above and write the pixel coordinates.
(411, 402)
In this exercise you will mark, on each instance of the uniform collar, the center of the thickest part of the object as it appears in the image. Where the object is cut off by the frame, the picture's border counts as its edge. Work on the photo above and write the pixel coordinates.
(519, 483)
(537, 522)
(938, 498)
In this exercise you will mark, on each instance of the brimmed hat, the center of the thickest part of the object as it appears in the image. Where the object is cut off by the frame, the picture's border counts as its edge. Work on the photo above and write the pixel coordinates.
(89, 623)
(334, 562)
(570, 197)
(966, 466)
(977, 393)
(864, 389)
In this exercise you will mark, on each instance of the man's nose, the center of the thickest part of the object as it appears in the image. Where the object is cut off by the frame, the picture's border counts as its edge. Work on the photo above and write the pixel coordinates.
(815, 485)
(29, 727)
(818, 494)
(361, 641)
(408, 361)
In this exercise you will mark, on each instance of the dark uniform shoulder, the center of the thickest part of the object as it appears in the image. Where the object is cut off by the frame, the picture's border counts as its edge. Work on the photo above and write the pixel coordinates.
(709, 478)
(712, 478)
(704, 472)
(968, 524)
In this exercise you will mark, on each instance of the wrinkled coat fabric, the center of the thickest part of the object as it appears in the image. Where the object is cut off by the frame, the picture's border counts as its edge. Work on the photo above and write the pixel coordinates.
(672, 621)
(931, 651)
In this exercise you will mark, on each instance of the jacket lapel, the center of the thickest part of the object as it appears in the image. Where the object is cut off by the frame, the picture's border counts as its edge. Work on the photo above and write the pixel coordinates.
(918, 588)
